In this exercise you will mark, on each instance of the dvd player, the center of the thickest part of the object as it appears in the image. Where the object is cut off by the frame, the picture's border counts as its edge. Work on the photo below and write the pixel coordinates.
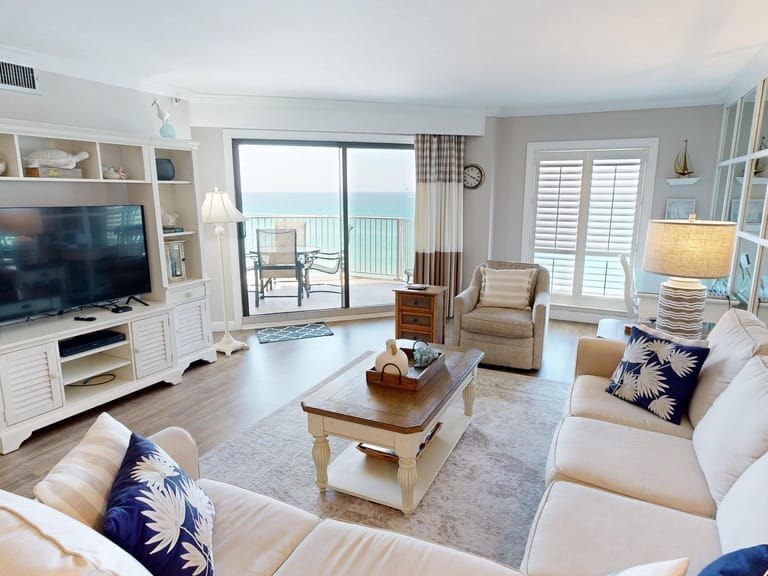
(89, 341)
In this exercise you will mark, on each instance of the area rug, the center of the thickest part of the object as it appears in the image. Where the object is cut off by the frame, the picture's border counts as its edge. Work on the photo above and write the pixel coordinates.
(293, 332)
(482, 501)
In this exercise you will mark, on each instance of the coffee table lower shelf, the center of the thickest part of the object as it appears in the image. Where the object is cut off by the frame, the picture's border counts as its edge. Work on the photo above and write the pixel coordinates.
(374, 479)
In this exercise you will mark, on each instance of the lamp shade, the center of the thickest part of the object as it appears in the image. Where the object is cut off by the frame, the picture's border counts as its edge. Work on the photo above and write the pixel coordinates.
(689, 248)
(218, 208)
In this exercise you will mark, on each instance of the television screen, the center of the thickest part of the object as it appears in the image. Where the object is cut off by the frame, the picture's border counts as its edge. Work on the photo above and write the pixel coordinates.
(55, 259)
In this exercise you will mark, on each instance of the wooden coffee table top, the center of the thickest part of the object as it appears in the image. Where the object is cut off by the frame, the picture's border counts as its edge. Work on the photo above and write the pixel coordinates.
(348, 397)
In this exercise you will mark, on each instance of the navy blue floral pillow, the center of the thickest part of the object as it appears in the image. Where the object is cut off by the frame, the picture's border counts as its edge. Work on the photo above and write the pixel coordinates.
(658, 374)
(158, 513)
(744, 562)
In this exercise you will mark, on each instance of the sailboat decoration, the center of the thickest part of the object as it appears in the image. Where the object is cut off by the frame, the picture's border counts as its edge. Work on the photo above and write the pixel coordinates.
(683, 166)
(761, 163)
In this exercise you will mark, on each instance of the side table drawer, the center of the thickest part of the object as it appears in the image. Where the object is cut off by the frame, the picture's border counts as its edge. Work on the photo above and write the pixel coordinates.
(413, 320)
(416, 301)
(412, 335)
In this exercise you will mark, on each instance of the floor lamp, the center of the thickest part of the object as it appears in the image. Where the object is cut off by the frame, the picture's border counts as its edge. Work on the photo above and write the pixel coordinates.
(686, 250)
(218, 209)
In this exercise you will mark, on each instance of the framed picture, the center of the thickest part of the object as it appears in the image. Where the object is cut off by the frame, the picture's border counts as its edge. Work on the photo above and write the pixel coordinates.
(679, 208)
(174, 255)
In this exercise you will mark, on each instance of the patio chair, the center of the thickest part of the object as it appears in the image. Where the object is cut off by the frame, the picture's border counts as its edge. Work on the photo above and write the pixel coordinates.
(277, 258)
(324, 263)
(299, 226)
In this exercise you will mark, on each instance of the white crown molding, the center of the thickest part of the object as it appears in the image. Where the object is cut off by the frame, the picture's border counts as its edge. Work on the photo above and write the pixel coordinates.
(592, 107)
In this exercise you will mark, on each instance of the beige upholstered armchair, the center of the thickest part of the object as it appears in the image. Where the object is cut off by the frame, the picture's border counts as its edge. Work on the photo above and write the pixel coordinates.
(504, 314)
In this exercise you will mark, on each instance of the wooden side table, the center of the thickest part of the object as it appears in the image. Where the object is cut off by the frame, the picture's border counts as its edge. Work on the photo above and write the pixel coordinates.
(420, 314)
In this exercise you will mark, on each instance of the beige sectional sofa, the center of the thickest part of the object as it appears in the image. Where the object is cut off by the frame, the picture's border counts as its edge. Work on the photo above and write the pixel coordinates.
(252, 534)
(626, 488)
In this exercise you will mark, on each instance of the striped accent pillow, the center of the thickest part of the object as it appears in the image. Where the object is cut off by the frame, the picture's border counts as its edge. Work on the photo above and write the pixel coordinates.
(80, 483)
(507, 288)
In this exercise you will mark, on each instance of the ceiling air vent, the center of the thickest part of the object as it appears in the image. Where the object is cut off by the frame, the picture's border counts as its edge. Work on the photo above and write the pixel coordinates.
(16, 77)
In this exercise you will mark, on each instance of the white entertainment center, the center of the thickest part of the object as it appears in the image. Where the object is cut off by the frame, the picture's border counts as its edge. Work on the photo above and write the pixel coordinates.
(40, 386)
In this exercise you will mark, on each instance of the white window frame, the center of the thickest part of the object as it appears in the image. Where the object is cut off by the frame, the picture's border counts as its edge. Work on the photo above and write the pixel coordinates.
(590, 304)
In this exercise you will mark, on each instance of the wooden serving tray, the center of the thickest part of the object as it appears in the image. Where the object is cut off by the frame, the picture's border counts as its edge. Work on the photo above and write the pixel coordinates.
(414, 379)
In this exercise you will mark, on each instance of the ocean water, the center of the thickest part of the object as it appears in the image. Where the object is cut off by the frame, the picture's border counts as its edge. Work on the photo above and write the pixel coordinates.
(391, 204)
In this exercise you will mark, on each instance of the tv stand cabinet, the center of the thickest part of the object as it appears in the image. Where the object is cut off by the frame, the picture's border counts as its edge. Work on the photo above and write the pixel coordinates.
(40, 387)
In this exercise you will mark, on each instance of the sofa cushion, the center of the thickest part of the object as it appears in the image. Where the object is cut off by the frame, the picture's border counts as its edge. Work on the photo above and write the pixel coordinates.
(646, 465)
(507, 288)
(734, 431)
(742, 517)
(588, 399)
(253, 534)
(350, 550)
(38, 539)
(79, 483)
(583, 531)
(752, 560)
(677, 567)
(737, 336)
(658, 374)
(159, 514)
(505, 322)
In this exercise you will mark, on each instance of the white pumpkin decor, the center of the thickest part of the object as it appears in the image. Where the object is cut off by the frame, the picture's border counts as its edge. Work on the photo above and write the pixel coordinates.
(392, 360)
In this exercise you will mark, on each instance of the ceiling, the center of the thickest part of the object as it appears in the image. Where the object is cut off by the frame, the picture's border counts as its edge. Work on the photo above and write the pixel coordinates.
(508, 56)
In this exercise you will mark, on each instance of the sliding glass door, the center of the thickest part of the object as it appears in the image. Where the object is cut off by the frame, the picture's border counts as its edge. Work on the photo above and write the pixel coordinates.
(351, 206)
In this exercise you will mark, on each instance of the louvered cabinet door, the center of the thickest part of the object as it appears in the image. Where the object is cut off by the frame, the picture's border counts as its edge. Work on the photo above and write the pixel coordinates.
(30, 383)
(192, 330)
(152, 345)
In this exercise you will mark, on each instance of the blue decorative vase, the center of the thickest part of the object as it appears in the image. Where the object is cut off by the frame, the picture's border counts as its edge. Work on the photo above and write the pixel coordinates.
(165, 169)
(167, 131)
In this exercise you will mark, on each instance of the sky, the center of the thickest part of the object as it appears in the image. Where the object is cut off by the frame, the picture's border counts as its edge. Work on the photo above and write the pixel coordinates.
(284, 168)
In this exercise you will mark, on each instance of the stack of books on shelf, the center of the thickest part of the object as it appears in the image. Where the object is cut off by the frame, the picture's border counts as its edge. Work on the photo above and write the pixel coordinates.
(172, 229)
(48, 172)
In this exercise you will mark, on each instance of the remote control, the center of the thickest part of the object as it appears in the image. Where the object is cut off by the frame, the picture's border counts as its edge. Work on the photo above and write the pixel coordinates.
(85, 318)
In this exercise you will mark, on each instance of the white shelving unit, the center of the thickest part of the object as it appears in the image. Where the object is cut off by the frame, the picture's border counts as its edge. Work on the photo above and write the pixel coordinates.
(38, 386)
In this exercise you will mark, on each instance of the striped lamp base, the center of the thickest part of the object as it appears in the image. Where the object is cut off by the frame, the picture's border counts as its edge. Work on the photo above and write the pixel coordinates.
(681, 307)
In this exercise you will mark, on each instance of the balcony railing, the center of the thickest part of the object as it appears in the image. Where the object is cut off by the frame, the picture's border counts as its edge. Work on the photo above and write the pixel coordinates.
(379, 247)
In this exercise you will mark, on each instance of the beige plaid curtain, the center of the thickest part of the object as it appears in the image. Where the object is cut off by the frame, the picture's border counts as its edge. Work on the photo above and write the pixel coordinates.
(439, 212)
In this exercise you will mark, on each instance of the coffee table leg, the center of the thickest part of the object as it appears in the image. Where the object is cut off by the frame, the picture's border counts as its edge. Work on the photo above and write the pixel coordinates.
(469, 395)
(321, 454)
(407, 475)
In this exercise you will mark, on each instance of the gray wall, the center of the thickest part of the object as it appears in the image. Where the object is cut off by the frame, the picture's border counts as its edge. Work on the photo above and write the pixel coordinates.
(67, 101)
(502, 151)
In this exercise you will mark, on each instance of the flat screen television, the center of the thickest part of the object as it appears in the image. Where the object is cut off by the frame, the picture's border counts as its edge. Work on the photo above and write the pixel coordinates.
(55, 259)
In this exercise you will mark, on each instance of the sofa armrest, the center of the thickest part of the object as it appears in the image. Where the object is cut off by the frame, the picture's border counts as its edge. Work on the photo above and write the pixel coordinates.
(180, 446)
(465, 301)
(598, 356)
(541, 309)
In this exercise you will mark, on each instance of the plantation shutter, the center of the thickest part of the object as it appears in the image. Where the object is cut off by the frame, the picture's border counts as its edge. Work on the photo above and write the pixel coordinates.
(558, 197)
(586, 212)
(610, 224)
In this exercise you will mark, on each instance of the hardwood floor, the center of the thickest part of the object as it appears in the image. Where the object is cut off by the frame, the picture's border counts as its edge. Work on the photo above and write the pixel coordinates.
(217, 401)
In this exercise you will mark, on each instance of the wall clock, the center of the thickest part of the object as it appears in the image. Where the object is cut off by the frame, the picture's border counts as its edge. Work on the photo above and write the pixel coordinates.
(473, 176)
